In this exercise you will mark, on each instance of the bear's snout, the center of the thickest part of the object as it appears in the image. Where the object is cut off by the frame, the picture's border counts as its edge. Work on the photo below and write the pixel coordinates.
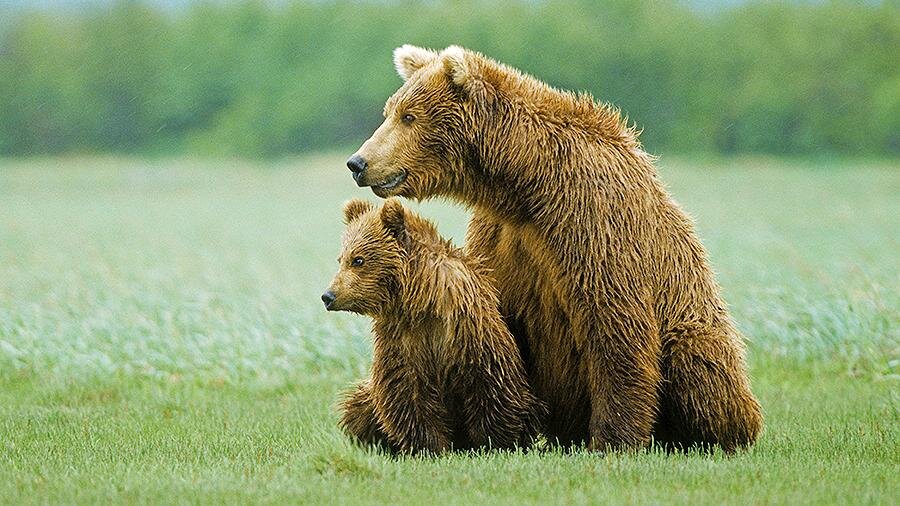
(357, 166)
(328, 298)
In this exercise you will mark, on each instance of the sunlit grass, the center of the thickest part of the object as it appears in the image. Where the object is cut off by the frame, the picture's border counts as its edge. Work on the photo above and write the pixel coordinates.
(161, 338)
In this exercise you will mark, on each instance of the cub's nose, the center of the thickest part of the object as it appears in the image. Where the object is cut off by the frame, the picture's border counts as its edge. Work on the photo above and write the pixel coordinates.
(357, 165)
(328, 299)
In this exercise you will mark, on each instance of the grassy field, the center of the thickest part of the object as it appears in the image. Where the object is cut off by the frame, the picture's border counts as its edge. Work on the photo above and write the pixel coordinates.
(162, 340)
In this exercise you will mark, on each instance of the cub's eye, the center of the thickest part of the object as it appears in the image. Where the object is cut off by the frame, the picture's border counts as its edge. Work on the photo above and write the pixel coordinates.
(356, 262)
(408, 118)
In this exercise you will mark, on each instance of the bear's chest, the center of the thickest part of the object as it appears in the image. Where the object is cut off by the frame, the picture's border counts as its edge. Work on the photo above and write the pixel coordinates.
(536, 299)
(528, 274)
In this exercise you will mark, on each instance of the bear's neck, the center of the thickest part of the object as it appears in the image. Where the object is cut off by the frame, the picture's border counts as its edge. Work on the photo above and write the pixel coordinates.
(540, 155)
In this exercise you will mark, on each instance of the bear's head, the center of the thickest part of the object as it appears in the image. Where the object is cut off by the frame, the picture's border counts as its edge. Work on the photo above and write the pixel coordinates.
(425, 144)
(371, 259)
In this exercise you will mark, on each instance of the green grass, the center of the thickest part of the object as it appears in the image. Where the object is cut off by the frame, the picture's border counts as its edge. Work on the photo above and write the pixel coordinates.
(161, 340)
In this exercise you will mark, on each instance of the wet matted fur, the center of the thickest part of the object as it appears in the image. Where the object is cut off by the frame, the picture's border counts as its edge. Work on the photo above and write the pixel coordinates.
(602, 278)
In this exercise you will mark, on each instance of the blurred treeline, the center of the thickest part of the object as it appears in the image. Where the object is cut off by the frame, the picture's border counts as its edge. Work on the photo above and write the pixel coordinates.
(260, 79)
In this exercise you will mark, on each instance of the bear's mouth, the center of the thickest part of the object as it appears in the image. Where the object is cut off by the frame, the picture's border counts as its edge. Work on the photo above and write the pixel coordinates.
(390, 183)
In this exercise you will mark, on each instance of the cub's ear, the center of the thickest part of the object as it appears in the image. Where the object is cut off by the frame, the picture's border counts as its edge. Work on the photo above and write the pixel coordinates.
(393, 216)
(464, 68)
(355, 208)
(408, 59)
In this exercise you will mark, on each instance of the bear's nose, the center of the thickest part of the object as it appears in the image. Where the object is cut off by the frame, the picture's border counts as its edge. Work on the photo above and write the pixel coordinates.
(328, 299)
(356, 164)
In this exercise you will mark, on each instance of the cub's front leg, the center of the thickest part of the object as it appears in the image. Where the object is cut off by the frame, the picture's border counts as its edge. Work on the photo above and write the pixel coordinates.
(358, 418)
(499, 408)
(408, 405)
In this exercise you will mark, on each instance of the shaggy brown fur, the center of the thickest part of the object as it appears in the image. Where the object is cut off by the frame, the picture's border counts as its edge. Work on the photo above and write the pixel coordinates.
(601, 276)
(446, 371)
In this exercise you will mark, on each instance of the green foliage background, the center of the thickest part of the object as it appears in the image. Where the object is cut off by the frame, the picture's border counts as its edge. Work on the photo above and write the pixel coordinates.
(255, 79)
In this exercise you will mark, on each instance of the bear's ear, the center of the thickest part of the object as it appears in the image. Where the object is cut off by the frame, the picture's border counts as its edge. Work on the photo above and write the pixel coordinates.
(355, 208)
(393, 216)
(464, 68)
(456, 66)
(408, 59)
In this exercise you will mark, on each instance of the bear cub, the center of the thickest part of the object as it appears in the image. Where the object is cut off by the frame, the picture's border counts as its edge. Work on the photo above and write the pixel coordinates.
(446, 371)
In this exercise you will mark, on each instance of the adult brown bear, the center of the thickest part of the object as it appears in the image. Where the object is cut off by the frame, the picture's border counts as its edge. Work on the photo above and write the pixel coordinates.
(602, 279)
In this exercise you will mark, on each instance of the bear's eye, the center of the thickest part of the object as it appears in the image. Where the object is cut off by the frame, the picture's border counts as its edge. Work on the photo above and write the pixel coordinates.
(356, 262)
(408, 118)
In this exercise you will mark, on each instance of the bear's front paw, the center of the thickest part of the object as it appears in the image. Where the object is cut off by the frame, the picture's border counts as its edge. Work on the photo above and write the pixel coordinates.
(604, 440)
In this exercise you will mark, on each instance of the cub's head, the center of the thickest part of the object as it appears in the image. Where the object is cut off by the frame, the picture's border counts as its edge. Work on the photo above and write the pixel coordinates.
(371, 259)
(423, 146)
